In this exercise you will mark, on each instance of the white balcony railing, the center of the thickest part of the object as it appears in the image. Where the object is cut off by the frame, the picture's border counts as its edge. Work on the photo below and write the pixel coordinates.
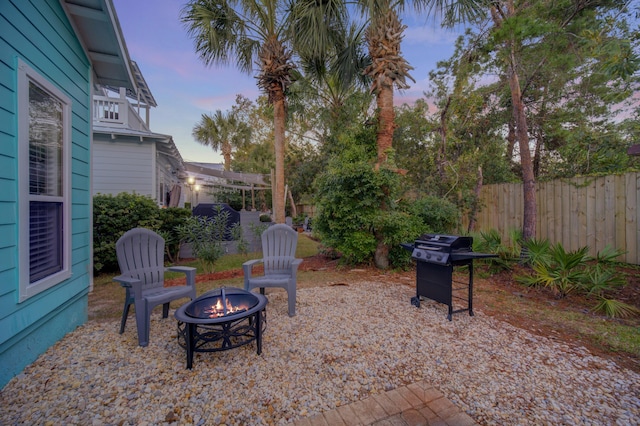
(110, 110)
(119, 112)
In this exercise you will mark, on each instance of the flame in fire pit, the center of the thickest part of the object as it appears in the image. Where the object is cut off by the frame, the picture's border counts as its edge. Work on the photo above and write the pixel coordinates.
(220, 310)
(222, 303)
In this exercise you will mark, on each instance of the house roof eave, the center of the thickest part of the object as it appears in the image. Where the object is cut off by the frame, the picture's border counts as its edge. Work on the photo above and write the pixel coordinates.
(164, 143)
(98, 29)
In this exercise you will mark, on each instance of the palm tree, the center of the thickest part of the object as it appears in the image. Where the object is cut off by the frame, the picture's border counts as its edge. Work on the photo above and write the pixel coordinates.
(326, 82)
(388, 69)
(244, 32)
(222, 132)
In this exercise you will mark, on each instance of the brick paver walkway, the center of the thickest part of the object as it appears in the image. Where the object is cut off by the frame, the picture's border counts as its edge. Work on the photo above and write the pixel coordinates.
(412, 405)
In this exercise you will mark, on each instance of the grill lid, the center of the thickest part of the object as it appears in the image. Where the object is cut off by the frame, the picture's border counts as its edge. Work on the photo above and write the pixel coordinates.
(446, 243)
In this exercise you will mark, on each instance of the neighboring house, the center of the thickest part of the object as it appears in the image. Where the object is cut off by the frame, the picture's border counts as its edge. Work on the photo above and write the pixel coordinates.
(205, 179)
(127, 155)
(52, 52)
(199, 188)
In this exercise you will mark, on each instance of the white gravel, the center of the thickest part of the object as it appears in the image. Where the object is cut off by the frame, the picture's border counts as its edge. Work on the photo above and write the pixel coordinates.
(346, 343)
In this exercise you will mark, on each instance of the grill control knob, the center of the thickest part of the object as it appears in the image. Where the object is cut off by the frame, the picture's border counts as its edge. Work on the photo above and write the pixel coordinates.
(439, 258)
(418, 254)
(428, 256)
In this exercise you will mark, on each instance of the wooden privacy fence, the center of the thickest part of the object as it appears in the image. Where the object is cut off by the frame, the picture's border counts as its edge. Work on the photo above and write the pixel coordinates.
(577, 212)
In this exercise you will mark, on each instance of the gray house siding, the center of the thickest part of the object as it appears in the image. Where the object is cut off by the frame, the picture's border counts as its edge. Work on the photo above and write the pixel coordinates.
(123, 167)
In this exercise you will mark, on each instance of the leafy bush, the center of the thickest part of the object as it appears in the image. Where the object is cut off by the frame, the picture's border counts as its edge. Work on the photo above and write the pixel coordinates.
(207, 235)
(258, 229)
(265, 218)
(399, 227)
(357, 212)
(438, 215)
(171, 218)
(238, 236)
(115, 215)
(491, 242)
(348, 196)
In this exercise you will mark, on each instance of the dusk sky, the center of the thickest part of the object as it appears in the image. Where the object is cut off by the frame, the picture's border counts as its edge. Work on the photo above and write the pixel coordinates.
(184, 88)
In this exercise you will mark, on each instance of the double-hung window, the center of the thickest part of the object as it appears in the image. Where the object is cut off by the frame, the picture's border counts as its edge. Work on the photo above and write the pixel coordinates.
(44, 183)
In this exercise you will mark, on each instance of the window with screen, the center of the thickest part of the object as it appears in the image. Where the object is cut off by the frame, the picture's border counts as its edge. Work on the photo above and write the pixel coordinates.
(44, 183)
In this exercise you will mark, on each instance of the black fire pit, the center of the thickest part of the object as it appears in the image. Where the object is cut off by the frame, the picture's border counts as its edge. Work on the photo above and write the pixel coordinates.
(221, 319)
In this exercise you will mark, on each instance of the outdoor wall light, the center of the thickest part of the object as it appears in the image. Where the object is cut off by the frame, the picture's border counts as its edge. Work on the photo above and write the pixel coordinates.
(194, 188)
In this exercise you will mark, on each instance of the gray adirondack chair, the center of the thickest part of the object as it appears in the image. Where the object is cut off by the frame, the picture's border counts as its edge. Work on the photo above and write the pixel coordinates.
(279, 244)
(140, 254)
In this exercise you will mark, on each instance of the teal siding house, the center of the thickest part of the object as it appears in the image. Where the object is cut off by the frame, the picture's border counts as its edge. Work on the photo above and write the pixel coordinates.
(52, 53)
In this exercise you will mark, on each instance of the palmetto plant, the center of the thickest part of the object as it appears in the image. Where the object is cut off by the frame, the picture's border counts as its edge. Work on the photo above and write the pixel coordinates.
(564, 272)
(537, 251)
(602, 278)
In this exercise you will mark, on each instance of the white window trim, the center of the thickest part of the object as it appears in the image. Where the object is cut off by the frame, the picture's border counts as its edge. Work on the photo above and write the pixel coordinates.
(27, 74)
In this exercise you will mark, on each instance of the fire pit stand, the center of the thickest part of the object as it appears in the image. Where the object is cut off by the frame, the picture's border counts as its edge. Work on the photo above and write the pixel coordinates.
(220, 320)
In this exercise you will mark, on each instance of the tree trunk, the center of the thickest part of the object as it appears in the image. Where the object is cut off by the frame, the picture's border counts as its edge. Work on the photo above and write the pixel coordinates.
(294, 211)
(279, 117)
(381, 255)
(442, 151)
(522, 133)
(511, 140)
(476, 202)
(386, 125)
(386, 116)
(521, 128)
(226, 154)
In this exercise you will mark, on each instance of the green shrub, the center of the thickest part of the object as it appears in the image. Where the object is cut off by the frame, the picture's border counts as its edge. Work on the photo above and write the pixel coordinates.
(399, 227)
(171, 218)
(348, 199)
(357, 212)
(265, 218)
(115, 215)
(238, 236)
(491, 242)
(438, 215)
(206, 236)
(258, 229)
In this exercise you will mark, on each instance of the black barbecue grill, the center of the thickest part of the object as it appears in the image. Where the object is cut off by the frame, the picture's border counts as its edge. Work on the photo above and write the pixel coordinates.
(436, 256)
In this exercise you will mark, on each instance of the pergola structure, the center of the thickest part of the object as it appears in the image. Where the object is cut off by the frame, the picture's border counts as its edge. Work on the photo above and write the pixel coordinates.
(250, 181)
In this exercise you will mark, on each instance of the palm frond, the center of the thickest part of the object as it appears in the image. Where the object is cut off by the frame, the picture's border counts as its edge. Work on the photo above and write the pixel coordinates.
(453, 11)
(537, 251)
(608, 254)
(599, 279)
(615, 308)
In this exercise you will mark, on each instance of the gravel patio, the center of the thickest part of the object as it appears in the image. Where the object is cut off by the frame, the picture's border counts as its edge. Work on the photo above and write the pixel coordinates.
(346, 343)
